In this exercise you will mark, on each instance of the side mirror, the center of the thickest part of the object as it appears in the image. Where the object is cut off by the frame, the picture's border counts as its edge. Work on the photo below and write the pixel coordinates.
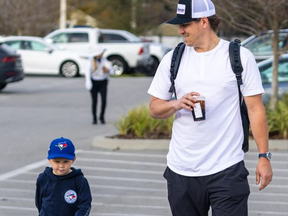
(49, 50)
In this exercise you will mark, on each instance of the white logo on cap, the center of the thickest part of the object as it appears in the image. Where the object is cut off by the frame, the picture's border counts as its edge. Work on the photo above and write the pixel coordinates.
(181, 9)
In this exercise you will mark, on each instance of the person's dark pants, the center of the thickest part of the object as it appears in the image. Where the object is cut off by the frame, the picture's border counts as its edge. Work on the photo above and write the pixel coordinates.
(226, 192)
(99, 87)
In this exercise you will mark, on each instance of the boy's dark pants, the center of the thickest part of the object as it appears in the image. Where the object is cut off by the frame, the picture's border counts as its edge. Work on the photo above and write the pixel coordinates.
(226, 191)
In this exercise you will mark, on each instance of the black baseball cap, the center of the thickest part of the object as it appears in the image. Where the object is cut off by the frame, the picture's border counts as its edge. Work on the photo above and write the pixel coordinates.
(189, 10)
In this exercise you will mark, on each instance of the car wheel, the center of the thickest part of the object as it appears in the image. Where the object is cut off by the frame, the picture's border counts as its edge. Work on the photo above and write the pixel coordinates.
(119, 65)
(69, 69)
(2, 86)
(154, 66)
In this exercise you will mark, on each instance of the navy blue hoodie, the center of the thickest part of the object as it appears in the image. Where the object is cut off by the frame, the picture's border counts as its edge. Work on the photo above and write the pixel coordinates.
(63, 195)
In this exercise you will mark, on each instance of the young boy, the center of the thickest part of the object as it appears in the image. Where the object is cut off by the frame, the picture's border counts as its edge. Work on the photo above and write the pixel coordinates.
(62, 189)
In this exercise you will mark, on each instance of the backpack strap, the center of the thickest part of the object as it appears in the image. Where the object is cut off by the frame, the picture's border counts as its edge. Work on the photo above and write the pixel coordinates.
(175, 62)
(235, 60)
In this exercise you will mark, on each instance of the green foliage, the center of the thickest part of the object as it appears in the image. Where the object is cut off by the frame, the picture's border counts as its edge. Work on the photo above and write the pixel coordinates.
(278, 118)
(121, 13)
(139, 124)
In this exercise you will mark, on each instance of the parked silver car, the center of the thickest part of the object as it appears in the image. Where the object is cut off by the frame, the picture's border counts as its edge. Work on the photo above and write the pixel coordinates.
(265, 68)
(261, 46)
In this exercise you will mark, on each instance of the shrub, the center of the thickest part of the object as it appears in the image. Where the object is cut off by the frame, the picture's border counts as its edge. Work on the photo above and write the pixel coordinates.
(278, 119)
(139, 124)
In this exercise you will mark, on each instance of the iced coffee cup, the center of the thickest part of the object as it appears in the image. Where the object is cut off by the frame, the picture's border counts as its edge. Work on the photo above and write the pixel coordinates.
(198, 111)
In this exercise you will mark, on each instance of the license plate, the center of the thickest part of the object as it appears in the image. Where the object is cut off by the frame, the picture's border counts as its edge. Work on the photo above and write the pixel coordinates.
(18, 64)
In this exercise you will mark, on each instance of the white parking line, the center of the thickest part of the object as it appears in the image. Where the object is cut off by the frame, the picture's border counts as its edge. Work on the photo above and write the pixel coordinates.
(18, 208)
(128, 205)
(127, 188)
(26, 168)
(111, 214)
(266, 213)
(122, 162)
(17, 198)
(130, 196)
(22, 170)
(113, 170)
(126, 179)
(124, 154)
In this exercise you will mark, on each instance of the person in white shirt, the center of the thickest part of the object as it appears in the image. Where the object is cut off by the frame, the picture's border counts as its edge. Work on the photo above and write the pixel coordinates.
(96, 81)
(205, 162)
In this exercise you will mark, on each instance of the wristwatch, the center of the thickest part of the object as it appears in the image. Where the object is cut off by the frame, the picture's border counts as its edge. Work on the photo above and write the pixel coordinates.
(267, 155)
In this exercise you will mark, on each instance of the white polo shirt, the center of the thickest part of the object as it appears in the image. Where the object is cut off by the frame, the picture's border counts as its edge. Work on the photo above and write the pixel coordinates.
(207, 147)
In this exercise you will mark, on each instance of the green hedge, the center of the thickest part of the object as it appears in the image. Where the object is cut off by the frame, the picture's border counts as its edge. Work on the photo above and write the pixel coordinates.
(139, 124)
(278, 119)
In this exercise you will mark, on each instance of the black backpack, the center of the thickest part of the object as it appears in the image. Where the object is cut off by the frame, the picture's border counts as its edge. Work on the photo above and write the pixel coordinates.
(234, 54)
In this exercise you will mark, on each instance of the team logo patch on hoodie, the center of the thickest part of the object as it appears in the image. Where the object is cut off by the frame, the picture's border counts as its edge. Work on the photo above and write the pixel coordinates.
(70, 196)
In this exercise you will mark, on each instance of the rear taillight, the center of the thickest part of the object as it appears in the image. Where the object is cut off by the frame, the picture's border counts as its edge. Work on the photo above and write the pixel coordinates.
(141, 51)
(10, 59)
(11, 73)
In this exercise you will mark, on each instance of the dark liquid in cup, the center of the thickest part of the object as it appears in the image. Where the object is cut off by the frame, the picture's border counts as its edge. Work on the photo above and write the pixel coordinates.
(198, 112)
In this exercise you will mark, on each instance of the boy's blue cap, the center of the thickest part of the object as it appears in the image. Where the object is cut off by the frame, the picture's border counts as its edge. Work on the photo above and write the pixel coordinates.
(61, 148)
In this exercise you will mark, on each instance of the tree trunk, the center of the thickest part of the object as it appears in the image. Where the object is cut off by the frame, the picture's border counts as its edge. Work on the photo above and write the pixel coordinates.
(275, 42)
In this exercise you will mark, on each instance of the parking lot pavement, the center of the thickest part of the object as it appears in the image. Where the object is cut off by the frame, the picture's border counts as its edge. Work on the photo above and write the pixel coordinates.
(130, 183)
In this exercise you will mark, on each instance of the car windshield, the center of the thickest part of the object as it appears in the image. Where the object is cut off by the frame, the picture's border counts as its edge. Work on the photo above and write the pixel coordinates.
(262, 46)
(6, 49)
(111, 37)
(29, 44)
(70, 37)
(133, 37)
(49, 46)
(266, 71)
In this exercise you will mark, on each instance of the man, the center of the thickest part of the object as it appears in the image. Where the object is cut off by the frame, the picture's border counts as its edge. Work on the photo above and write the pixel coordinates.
(205, 158)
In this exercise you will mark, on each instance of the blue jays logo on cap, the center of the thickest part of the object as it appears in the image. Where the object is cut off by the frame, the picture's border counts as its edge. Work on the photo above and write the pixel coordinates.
(70, 196)
(61, 145)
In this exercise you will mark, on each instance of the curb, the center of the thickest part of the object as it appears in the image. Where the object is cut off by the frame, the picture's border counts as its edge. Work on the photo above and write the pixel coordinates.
(163, 144)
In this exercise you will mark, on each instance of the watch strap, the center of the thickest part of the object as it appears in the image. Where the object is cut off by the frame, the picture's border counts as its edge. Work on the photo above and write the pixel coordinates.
(266, 155)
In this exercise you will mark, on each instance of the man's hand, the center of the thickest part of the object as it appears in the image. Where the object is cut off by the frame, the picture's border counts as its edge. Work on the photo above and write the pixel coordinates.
(263, 173)
(161, 109)
(187, 101)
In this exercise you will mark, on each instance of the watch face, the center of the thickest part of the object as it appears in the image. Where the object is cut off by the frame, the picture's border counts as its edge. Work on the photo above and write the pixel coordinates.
(269, 155)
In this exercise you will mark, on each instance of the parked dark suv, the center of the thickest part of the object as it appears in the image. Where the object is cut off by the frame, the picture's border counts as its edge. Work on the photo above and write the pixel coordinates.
(10, 66)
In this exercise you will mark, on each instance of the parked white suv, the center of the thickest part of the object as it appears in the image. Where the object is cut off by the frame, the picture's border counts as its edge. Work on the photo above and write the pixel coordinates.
(157, 50)
(125, 57)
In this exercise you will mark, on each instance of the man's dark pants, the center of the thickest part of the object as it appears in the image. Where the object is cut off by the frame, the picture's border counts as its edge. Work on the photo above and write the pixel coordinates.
(226, 192)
